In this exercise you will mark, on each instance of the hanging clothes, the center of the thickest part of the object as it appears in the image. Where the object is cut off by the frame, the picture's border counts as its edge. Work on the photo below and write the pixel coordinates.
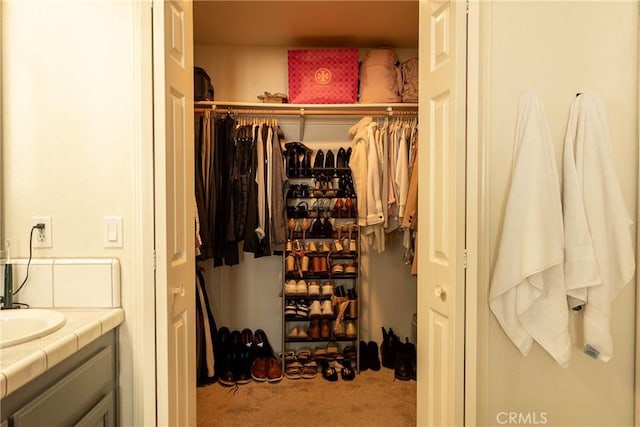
(206, 331)
(598, 241)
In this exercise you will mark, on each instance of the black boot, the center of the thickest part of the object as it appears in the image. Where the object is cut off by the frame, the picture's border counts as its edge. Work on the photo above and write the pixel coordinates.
(388, 348)
(363, 356)
(412, 355)
(372, 356)
(223, 356)
(401, 369)
(246, 355)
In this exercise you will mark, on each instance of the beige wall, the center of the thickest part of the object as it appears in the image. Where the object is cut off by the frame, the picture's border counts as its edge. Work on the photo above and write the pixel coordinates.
(557, 49)
(70, 124)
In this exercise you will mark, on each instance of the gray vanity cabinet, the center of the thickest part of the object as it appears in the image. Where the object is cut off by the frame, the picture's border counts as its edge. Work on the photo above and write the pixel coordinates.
(80, 391)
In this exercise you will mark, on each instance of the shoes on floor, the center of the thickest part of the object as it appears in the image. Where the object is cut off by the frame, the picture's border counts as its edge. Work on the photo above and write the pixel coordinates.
(372, 356)
(274, 370)
(328, 372)
(259, 369)
(364, 356)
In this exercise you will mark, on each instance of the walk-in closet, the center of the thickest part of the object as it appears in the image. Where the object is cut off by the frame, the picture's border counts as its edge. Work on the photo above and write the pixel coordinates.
(252, 289)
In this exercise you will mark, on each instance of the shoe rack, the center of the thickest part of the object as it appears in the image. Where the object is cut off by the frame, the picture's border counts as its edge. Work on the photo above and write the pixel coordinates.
(320, 309)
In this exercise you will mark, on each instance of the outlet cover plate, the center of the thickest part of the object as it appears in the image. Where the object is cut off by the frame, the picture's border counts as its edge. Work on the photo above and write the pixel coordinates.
(42, 239)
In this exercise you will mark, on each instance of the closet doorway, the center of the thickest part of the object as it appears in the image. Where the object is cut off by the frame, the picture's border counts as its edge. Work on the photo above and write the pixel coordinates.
(440, 294)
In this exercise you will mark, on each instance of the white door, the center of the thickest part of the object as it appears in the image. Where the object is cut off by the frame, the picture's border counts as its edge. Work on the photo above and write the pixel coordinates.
(441, 213)
(174, 215)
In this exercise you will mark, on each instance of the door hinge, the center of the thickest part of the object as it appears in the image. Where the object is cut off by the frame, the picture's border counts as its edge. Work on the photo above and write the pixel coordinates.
(464, 261)
(153, 258)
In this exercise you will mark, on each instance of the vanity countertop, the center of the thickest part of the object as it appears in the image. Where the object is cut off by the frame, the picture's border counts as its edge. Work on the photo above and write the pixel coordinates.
(21, 363)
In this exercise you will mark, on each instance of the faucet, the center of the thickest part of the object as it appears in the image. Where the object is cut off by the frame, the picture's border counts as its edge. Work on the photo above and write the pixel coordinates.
(8, 282)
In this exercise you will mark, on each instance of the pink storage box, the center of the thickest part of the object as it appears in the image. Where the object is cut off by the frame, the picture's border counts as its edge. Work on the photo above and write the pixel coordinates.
(323, 76)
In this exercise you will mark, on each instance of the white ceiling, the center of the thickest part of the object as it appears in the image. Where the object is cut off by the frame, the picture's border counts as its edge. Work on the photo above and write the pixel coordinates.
(307, 23)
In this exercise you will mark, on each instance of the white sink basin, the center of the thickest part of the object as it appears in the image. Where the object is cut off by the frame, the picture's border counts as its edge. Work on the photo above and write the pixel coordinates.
(22, 325)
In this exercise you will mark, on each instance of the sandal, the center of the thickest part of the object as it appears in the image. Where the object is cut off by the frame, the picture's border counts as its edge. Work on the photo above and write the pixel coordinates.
(346, 372)
(309, 370)
(303, 355)
(320, 353)
(328, 372)
(293, 370)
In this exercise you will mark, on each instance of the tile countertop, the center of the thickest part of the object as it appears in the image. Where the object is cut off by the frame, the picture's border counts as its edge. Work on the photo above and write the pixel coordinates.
(21, 363)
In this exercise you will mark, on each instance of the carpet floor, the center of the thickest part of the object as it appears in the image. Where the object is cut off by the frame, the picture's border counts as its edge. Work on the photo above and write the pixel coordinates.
(372, 399)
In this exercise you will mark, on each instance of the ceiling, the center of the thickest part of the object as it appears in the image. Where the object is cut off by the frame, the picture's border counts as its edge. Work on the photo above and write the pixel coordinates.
(306, 23)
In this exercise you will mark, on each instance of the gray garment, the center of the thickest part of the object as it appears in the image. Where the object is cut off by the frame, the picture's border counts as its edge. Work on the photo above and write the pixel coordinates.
(278, 182)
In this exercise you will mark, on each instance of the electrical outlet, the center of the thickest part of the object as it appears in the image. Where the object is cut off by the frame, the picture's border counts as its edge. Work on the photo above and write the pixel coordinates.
(42, 238)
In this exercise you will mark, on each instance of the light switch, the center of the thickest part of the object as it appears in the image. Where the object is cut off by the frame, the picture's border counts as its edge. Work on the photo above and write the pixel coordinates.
(112, 231)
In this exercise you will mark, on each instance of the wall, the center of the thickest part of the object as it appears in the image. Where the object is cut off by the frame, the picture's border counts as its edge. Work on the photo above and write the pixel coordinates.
(557, 49)
(69, 126)
(245, 296)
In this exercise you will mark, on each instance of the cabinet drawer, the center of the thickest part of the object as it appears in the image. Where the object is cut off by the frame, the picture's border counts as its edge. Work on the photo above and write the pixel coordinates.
(73, 397)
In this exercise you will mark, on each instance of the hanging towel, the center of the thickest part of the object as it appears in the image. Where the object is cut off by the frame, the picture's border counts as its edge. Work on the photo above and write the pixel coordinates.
(599, 249)
(527, 293)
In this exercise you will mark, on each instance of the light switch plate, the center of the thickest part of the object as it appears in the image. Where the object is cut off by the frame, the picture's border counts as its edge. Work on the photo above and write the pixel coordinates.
(112, 231)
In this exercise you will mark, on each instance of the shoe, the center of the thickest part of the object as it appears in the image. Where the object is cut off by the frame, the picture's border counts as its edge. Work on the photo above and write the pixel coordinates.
(340, 292)
(337, 269)
(347, 372)
(290, 287)
(333, 351)
(328, 372)
(302, 310)
(314, 309)
(310, 370)
(240, 359)
(302, 334)
(319, 353)
(318, 161)
(412, 357)
(351, 268)
(261, 344)
(388, 348)
(329, 162)
(293, 370)
(325, 328)
(327, 228)
(290, 309)
(347, 157)
(372, 355)
(401, 369)
(350, 353)
(223, 366)
(314, 289)
(301, 288)
(364, 356)
(350, 329)
(293, 333)
(341, 158)
(327, 288)
(314, 327)
(327, 308)
(339, 329)
(303, 354)
(274, 370)
(259, 369)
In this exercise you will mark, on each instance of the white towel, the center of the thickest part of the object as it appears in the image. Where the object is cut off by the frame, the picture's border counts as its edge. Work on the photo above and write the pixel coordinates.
(527, 293)
(599, 248)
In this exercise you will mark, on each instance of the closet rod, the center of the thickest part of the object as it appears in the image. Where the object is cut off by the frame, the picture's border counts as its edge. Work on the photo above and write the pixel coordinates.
(389, 111)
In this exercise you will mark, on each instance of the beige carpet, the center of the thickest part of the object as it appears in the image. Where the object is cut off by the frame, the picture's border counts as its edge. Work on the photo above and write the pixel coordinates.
(372, 399)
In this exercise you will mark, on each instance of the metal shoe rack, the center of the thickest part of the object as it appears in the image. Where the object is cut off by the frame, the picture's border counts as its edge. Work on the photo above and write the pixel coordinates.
(322, 259)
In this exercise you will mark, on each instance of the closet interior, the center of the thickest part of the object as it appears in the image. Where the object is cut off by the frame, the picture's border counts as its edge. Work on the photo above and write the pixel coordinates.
(326, 285)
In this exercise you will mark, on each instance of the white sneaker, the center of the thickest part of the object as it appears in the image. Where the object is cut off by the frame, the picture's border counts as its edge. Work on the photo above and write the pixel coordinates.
(327, 309)
(301, 288)
(327, 288)
(290, 287)
(314, 309)
(314, 289)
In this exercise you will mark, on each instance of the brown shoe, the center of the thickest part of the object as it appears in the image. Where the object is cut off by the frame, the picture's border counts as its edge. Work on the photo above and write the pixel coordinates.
(274, 370)
(259, 369)
(314, 329)
(325, 328)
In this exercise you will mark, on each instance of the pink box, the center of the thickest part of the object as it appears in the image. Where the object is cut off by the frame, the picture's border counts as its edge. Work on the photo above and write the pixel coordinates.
(323, 76)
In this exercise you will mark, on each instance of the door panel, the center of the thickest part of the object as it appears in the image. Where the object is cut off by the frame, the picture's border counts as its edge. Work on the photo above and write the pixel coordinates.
(175, 223)
(441, 213)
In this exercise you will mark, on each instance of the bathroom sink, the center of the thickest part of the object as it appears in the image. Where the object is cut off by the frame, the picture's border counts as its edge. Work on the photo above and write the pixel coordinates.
(22, 325)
